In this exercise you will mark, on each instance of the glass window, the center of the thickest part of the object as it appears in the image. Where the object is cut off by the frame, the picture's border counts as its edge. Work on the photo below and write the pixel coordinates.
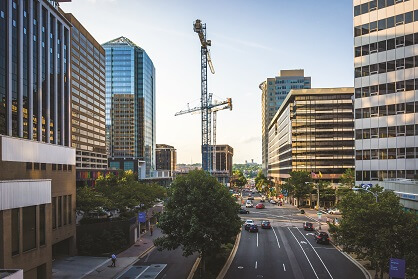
(59, 211)
(410, 107)
(391, 110)
(36, 166)
(400, 63)
(365, 50)
(359, 176)
(400, 19)
(391, 132)
(366, 91)
(381, 4)
(390, 66)
(357, 31)
(365, 29)
(409, 130)
(382, 87)
(357, 10)
(373, 47)
(357, 93)
(390, 44)
(373, 69)
(374, 154)
(381, 46)
(359, 134)
(383, 111)
(364, 8)
(400, 153)
(372, 5)
(70, 208)
(416, 15)
(390, 3)
(410, 153)
(359, 155)
(366, 112)
(400, 130)
(400, 41)
(400, 108)
(374, 111)
(357, 73)
(383, 132)
(358, 113)
(42, 225)
(383, 154)
(29, 227)
(409, 62)
(365, 71)
(400, 86)
(65, 209)
(390, 88)
(357, 51)
(374, 90)
(366, 154)
(382, 67)
(409, 40)
(28, 165)
(409, 17)
(54, 213)
(15, 231)
(391, 153)
(373, 26)
(366, 133)
(374, 132)
(390, 22)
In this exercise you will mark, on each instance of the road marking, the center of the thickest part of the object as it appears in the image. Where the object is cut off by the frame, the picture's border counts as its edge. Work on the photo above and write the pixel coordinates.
(303, 242)
(316, 275)
(276, 237)
(317, 255)
(240, 267)
(255, 264)
(142, 272)
(257, 239)
(284, 267)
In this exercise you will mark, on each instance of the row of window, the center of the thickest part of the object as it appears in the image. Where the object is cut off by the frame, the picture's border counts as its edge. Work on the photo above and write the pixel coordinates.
(386, 110)
(387, 153)
(386, 88)
(383, 174)
(374, 5)
(385, 23)
(387, 132)
(385, 45)
(386, 67)
(61, 211)
(42, 166)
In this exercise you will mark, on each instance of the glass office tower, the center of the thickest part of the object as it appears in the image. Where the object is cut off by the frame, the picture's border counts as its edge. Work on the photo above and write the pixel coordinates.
(130, 106)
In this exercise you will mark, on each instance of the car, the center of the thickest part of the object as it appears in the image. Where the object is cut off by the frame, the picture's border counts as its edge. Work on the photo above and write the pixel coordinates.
(243, 211)
(334, 211)
(322, 238)
(265, 224)
(307, 226)
(260, 206)
(247, 224)
(249, 204)
(251, 198)
(273, 202)
(253, 228)
(262, 200)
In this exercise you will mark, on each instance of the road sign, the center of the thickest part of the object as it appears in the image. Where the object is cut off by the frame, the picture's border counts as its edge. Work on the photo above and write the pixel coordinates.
(366, 186)
(396, 268)
(319, 213)
(142, 217)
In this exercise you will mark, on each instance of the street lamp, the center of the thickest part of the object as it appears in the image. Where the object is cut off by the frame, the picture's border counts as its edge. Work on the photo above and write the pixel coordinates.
(376, 195)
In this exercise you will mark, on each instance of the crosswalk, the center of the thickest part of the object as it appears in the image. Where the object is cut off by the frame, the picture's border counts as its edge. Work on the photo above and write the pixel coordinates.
(143, 271)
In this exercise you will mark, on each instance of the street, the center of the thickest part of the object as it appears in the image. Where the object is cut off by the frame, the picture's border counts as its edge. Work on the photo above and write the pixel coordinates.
(286, 250)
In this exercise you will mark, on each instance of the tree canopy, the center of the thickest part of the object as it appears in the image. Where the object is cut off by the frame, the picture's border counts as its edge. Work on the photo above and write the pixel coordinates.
(377, 231)
(298, 184)
(199, 216)
(238, 179)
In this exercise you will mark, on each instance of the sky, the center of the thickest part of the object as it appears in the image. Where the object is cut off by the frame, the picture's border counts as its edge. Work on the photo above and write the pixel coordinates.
(251, 40)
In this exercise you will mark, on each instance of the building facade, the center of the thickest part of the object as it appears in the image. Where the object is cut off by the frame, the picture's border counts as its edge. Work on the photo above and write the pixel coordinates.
(37, 163)
(273, 93)
(312, 131)
(166, 157)
(222, 168)
(386, 107)
(87, 103)
(130, 104)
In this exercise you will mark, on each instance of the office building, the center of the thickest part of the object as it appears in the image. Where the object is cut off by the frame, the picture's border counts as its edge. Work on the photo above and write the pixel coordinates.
(313, 131)
(386, 107)
(87, 103)
(37, 162)
(166, 157)
(222, 168)
(273, 92)
(130, 107)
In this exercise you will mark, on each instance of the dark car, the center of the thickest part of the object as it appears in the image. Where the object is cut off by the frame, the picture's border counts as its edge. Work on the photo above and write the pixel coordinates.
(250, 198)
(253, 228)
(265, 225)
(322, 238)
(308, 226)
(243, 211)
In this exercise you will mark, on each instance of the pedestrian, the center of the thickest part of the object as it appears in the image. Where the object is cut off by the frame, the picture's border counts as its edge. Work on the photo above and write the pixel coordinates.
(113, 260)
(151, 229)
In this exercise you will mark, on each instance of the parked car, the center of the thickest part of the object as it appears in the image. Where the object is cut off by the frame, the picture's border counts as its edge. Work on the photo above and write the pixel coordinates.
(334, 211)
(243, 211)
(249, 204)
(307, 226)
(273, 202)
(262, 199)
(251, 198)
(248, 223)
(265, 225)
(253, 228)
(322, 238)
(260, 206)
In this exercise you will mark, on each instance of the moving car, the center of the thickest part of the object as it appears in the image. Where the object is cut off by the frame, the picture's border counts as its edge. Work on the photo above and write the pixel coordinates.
(253, 228)
(307, 226)
(334, 211)
(249, 204)
(322, 238)
(243, 211)
(248, 223)
(250, 198)
(273, 202)
(265, 225)
(260, 206)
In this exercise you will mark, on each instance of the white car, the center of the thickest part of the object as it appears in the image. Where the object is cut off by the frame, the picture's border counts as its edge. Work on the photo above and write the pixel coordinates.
(273, 202)
(334, 211)
(249, 222)
(249, 204)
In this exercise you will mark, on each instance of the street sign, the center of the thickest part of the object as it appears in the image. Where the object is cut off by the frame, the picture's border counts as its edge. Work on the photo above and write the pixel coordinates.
(366, 186)
(396, 268)
(142, 217)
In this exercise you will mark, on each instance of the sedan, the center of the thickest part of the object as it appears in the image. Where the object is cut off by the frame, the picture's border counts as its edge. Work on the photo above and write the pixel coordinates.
(260, 206)
(253, 228)
(322, 238)
(308, 226)
(250, 198)
(265, 225)
(243, 211)
(273, 202)
(248, 224)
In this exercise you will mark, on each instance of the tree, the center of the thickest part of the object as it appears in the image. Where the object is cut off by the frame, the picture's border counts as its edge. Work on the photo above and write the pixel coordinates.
(377, 231)
(238, 179)
(88, 199)
(200, 215)
(348, 178)
(298, 184)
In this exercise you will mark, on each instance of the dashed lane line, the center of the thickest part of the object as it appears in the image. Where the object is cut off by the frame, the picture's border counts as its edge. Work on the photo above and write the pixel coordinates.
(284, 267)
(278, 244)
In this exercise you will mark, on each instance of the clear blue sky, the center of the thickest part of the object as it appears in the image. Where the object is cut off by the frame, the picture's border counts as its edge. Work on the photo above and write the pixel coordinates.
(251, 40)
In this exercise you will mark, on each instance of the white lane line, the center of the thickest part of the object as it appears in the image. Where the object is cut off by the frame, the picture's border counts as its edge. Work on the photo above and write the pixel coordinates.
(142, 272)
(284, 267)
(304, 253)
(276, 237)
(257, 239)
(316, 254)
(255, 264)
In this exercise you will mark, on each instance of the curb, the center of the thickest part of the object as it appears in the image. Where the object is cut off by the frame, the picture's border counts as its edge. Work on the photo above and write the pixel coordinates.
(362, 268)
(228, 262)
(98, 266)
(194, 268)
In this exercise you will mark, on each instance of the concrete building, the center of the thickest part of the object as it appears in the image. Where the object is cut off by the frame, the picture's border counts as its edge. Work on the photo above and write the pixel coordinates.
(273, 92)
(166, 157)
(222, 168)
(386, 107)
(37, 163)
(130, 107)
(87, 103)
(313, 131)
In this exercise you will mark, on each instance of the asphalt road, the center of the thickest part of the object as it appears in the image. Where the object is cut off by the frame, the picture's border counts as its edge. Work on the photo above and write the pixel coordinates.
(286, 250)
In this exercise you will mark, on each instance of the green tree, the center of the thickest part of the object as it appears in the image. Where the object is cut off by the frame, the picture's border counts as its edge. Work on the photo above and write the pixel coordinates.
(200, 215)
(348, 179)
(377, 231)
(298, 185)
(88, 199)
(238, 179)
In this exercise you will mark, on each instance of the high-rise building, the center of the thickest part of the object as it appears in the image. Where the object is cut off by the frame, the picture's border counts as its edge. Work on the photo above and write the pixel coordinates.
(222, 169)
(130, 107)
(166, 157)
(313, 131)
(37, 163)
(386, 100)
(87, 103)
(273, 92)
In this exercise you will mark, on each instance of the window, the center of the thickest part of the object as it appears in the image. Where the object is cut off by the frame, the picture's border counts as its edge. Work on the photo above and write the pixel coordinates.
(391, 132)
(54, 213)
(366, 133)
(359, 134)
(400, 63)
(373, 47)
(357, 74)
(391, 153)
(374, 112)
(366, 154)
(383, 111)
(70, 208)
(365, 29)
(390, 22)
(400, 19)
(400, 108)
(409, 40)
(359, 155)
(69, 168)
(359, 176)
(65, 209)
(374, 154)
(383, 132)
(373, 69)
(390, 88)
(390, 44)
(374, 90)
(357, 51)
(59, 211)
(409, 107)
(409, 85)
(381, 46)
(29, 227)
(400, 153)
(365, 71)
(373, 26)
(409, 17)
(409, 62)
(59, 167)
(357, 10)
(409, 130)
(410, 153)
(400, 130)
(372, 5)
(366, 112)
(400, 41)
(42, 225)
(364, 8)
(400, 86)
(374, 132)
(382, 87)
(381, 4)
(36, 166)
(43, 166)
(390, 66)
(29, 166)
(15, 231)
(365, 50)
(383, 154)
